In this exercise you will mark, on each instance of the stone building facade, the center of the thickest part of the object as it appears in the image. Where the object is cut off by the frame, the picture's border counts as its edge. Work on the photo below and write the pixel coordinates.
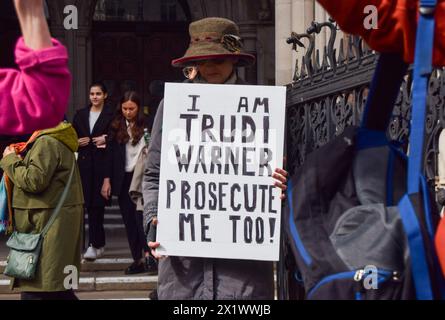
(264, 24)
(296, 16)
(255, 18)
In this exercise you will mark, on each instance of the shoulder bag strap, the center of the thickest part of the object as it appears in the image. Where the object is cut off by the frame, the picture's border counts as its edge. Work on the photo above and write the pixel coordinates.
(61, 201)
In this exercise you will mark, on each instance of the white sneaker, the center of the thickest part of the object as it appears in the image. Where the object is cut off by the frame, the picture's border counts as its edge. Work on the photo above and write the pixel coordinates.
(100, 252)
(90, 254)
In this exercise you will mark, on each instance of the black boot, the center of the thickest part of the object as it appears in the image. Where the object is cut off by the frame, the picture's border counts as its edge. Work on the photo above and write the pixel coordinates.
(153, 295)
(135, 267)
(151, 265)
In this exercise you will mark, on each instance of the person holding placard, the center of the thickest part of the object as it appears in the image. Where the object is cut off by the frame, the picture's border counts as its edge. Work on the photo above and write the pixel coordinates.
(215, 51)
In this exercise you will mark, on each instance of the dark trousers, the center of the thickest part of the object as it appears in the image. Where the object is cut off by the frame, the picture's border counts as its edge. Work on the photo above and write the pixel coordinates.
(132, 219)
(140, 226)
(57, 295)
(96, 230)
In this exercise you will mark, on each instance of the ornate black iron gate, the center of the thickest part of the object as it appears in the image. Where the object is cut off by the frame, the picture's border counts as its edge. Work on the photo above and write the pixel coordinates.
(327, 96)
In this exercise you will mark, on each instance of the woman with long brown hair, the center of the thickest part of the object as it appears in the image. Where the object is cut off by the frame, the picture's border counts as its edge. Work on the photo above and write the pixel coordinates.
(125, 143)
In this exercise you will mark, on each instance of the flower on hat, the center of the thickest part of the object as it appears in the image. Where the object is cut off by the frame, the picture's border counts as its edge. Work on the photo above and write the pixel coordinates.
(214, 38)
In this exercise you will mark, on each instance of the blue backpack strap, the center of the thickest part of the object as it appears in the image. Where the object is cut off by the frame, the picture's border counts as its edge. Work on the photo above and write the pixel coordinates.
(422, 70)
(383, 92)
(382, 96)
(421, 73)
(419, 267)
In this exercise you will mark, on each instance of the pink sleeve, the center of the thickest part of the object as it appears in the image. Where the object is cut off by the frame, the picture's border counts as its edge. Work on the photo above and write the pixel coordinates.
(35, 96)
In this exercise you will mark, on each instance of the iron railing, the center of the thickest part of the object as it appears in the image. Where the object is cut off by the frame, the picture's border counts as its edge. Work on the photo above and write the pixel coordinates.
(328, 93)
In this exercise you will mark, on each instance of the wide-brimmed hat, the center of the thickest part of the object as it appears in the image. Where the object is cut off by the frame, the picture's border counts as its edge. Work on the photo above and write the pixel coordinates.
(214, 38)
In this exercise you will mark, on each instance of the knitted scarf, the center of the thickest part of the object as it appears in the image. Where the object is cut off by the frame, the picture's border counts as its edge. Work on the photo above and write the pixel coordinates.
(6, 187)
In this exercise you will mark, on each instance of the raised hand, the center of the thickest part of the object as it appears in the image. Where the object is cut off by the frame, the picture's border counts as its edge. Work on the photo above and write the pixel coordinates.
(33, 23)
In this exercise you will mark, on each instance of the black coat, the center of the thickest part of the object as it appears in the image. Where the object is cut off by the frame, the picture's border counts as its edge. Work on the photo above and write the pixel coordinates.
(91, 160)
(115, 163)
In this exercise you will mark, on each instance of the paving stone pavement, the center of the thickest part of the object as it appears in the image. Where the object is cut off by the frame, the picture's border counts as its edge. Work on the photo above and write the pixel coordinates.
(104, 278)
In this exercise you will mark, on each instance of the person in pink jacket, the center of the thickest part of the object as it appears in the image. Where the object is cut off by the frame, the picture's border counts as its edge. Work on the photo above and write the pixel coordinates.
(35, 96)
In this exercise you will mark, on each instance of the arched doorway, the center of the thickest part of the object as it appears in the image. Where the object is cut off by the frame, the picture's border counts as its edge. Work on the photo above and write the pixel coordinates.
(133, 44)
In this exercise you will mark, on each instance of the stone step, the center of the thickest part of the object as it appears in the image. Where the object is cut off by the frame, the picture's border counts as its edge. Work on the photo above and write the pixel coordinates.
(4, 286)
(111, 230)
(109, 226)
(110, 264)
(105, 264)
(97, 295)
(113, 210)
(104, 283)
(101, 283)
(114, 201)
(114, 295)
(109, 218)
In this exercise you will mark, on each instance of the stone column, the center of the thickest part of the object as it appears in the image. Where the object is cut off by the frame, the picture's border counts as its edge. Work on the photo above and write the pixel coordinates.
(82, 68)
(78, 43)
(79, 50)
(248, 32)
(321, 16)
(297, 16)
(283, 53)
(196, 9)
(321, 39)
(302, 16)
(265, 43)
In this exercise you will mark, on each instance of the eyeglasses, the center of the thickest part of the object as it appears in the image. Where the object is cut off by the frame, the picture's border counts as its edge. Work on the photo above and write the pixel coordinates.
(215, 61)
(189, 72)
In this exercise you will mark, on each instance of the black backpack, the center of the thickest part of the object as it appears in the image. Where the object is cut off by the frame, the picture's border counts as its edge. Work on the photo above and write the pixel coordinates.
(358, 214)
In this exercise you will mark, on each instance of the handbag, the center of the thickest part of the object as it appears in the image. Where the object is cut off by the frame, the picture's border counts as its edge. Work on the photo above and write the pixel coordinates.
(25, 248)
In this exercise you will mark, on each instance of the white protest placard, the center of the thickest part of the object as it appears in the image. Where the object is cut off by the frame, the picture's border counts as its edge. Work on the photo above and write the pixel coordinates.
(220, 146)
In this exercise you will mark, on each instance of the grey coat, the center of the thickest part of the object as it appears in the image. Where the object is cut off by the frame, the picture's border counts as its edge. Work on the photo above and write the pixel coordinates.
(135, 191)
(200, 278)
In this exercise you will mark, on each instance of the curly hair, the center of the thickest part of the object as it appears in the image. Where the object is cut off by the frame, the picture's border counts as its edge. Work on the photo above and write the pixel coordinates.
(119, 125)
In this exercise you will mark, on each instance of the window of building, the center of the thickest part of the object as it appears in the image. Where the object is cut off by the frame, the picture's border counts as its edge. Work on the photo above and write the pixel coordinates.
(7, 10)
(139, 10)
(168, 10)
